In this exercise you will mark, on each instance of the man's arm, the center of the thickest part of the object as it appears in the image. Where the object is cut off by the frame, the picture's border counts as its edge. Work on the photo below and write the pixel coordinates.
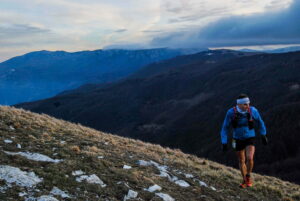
(257, 117)
(262, 127)
(226, 126)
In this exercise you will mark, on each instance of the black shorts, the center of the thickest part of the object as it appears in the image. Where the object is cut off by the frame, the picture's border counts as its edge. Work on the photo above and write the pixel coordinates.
(242, 144)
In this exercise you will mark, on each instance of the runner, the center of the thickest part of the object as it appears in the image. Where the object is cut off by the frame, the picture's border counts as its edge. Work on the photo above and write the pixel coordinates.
(241, 118)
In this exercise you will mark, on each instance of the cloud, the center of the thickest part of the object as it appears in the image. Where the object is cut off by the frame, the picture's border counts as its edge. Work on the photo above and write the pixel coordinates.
(128, 46)
(21, 35)
(273, 27)
(200, 16)
(152, 31)
(19, 30)
(180, 6)
(120, 30)
(74, 25)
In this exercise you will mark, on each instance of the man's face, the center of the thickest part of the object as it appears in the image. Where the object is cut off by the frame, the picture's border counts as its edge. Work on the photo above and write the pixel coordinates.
(244, 107)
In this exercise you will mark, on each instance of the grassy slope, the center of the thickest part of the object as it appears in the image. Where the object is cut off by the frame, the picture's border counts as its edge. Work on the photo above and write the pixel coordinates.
(41, 133)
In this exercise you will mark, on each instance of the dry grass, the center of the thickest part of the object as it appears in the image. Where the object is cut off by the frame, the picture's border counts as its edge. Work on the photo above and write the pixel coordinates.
(105, 155)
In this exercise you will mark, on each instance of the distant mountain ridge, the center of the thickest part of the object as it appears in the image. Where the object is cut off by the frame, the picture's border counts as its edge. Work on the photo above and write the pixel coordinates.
(284, 50)
(43, 74)
(278, 50)
(183, 106)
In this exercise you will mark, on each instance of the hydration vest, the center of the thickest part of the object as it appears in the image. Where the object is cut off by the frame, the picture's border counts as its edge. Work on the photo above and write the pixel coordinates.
(235, 119)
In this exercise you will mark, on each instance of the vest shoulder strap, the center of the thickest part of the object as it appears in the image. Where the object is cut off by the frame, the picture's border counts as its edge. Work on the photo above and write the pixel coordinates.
(234, 112)
(250, 113)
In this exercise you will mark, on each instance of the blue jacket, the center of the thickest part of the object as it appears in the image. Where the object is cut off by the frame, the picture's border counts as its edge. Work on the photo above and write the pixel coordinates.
(241, 131)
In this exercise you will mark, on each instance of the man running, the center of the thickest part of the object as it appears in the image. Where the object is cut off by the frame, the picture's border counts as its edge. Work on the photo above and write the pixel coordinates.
(241, 118)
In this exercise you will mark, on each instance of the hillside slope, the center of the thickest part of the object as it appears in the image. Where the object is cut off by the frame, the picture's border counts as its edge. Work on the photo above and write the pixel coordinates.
(43, 158)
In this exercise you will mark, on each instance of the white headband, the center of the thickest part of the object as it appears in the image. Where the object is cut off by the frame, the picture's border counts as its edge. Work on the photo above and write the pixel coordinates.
(243, 101)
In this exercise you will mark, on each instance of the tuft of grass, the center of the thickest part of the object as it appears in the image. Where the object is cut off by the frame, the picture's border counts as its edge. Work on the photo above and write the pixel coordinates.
(75, 149)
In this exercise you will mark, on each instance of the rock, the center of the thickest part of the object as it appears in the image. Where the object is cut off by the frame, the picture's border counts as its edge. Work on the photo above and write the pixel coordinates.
(153, 188)
(130, 195)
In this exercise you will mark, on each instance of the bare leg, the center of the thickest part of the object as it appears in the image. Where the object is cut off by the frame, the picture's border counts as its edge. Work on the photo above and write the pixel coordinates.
(242, 164)
(250, 158)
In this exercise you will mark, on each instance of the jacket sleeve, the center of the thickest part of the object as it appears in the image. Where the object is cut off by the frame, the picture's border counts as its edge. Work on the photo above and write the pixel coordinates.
(226, 127)
(257, 117)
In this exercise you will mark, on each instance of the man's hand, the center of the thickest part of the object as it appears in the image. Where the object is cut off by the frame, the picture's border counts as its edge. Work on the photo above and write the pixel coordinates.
(264, 139)
(224, 147)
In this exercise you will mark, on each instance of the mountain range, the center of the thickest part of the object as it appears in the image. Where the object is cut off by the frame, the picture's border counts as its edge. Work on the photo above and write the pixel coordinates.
(277, 50)
(43, 74)
(46, 159)
(181, 103)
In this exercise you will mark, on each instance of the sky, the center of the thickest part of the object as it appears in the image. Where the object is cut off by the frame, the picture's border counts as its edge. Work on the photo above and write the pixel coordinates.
(76, 25)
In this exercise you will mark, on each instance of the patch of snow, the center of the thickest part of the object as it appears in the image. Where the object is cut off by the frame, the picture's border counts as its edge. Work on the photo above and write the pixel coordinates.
(92, 179)
(100, 157)
(126, 167)
(19, 146)
(209, 54)
(19, 177)
(8, 141)
(153, 188)
(213, 188)
(162, 168)
(47, 198)
(202, 183)
(177, 171)
(164, 172)
(122, 182)
(30, 199)
(130, 195)
(172, 178)
(205, 185)
(165, 197)
(106, 143)
(57, 191)
(4, 188)
(189, 176)
(144, 163)
(12, 128)
(34, 156)
(182, 183)
(62, 142)
(77, 173)
(22, 194)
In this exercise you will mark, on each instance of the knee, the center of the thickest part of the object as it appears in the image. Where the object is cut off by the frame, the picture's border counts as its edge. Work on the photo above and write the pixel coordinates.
(249, 158)
(242, 160)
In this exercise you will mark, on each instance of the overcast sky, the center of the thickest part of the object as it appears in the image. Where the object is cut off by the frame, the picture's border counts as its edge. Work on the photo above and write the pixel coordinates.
(74, 25)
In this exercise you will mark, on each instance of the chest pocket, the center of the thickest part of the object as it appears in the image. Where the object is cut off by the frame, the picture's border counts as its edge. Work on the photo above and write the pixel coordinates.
(242, 120)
